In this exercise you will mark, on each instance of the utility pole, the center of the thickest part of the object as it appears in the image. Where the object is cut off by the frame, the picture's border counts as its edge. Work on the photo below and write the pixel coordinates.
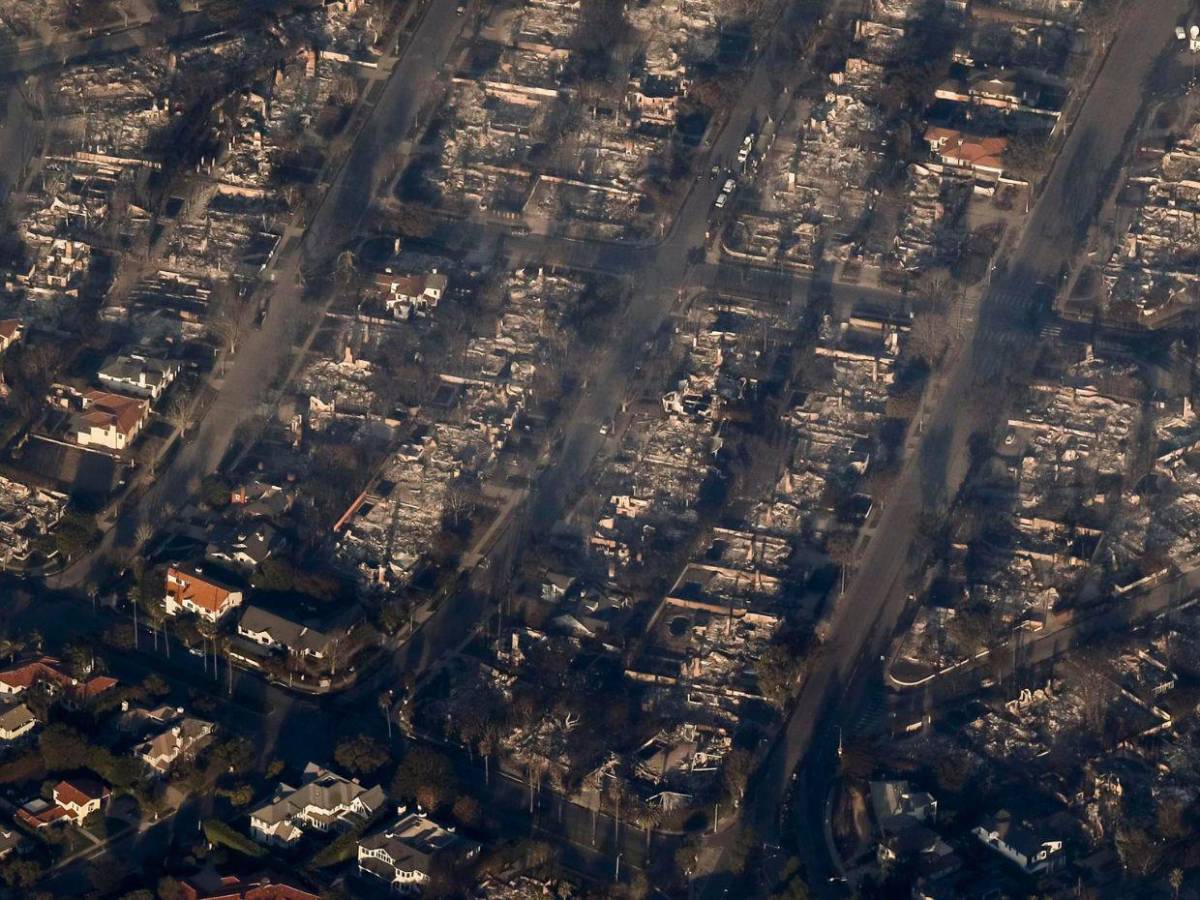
(617, 820)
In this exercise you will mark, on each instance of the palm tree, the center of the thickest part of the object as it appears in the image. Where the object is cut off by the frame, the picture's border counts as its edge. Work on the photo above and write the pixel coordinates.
(10, 647)
(649, 817)
(156, 616)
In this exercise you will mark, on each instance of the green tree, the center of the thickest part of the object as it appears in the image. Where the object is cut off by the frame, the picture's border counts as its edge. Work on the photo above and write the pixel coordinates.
(361, 755)
(155, 686)
(791, 886)
(467, 811)
(427, 772)
(75, 535)
(20, 873)
(106, 875)
(215, 491)
(62, 748)
(218, 832)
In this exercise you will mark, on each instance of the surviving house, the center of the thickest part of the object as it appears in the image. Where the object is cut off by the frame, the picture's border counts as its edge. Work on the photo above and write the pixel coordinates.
(246, 545)
(210, 885)
(45, 674)
(982, 155)
(405, 295)
(109, 420)
(1020, 843)
(920, 847)
(325, 801)
(138, 375)
(15, 722)
(79, 798)
(40, 671)
(179, 741)
(191, 589)
(893, 800)
(1004, 91)
(277, 633)
(403, 855)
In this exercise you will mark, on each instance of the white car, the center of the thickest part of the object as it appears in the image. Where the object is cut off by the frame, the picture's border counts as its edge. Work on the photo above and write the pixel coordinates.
(729, 186)
(721, 198)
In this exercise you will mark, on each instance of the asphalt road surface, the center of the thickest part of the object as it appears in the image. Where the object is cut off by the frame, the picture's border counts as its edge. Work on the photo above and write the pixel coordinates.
(1004, 333)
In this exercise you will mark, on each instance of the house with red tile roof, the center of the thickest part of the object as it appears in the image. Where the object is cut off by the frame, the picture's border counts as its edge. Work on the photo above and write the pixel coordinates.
(983, 155)
(74, 801)
(41, 671)
(110, 420)
(80, 797)
(81, 694)
(38, 814)
(405, 295)
(191, 589)
(210, 886)
(47, 673)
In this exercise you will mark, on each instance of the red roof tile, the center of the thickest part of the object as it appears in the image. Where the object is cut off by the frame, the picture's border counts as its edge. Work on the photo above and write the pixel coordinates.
(185, 583)
(44, 669)
(80, 792)
(105, 410)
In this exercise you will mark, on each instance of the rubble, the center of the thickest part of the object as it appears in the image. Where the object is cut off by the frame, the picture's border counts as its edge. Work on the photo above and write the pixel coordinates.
(27, 514)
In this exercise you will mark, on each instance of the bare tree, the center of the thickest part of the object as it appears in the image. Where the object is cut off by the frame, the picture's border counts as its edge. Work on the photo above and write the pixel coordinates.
(145, 531)
(346, 267)
(345, 89)
(180, 412)
(489, 743)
